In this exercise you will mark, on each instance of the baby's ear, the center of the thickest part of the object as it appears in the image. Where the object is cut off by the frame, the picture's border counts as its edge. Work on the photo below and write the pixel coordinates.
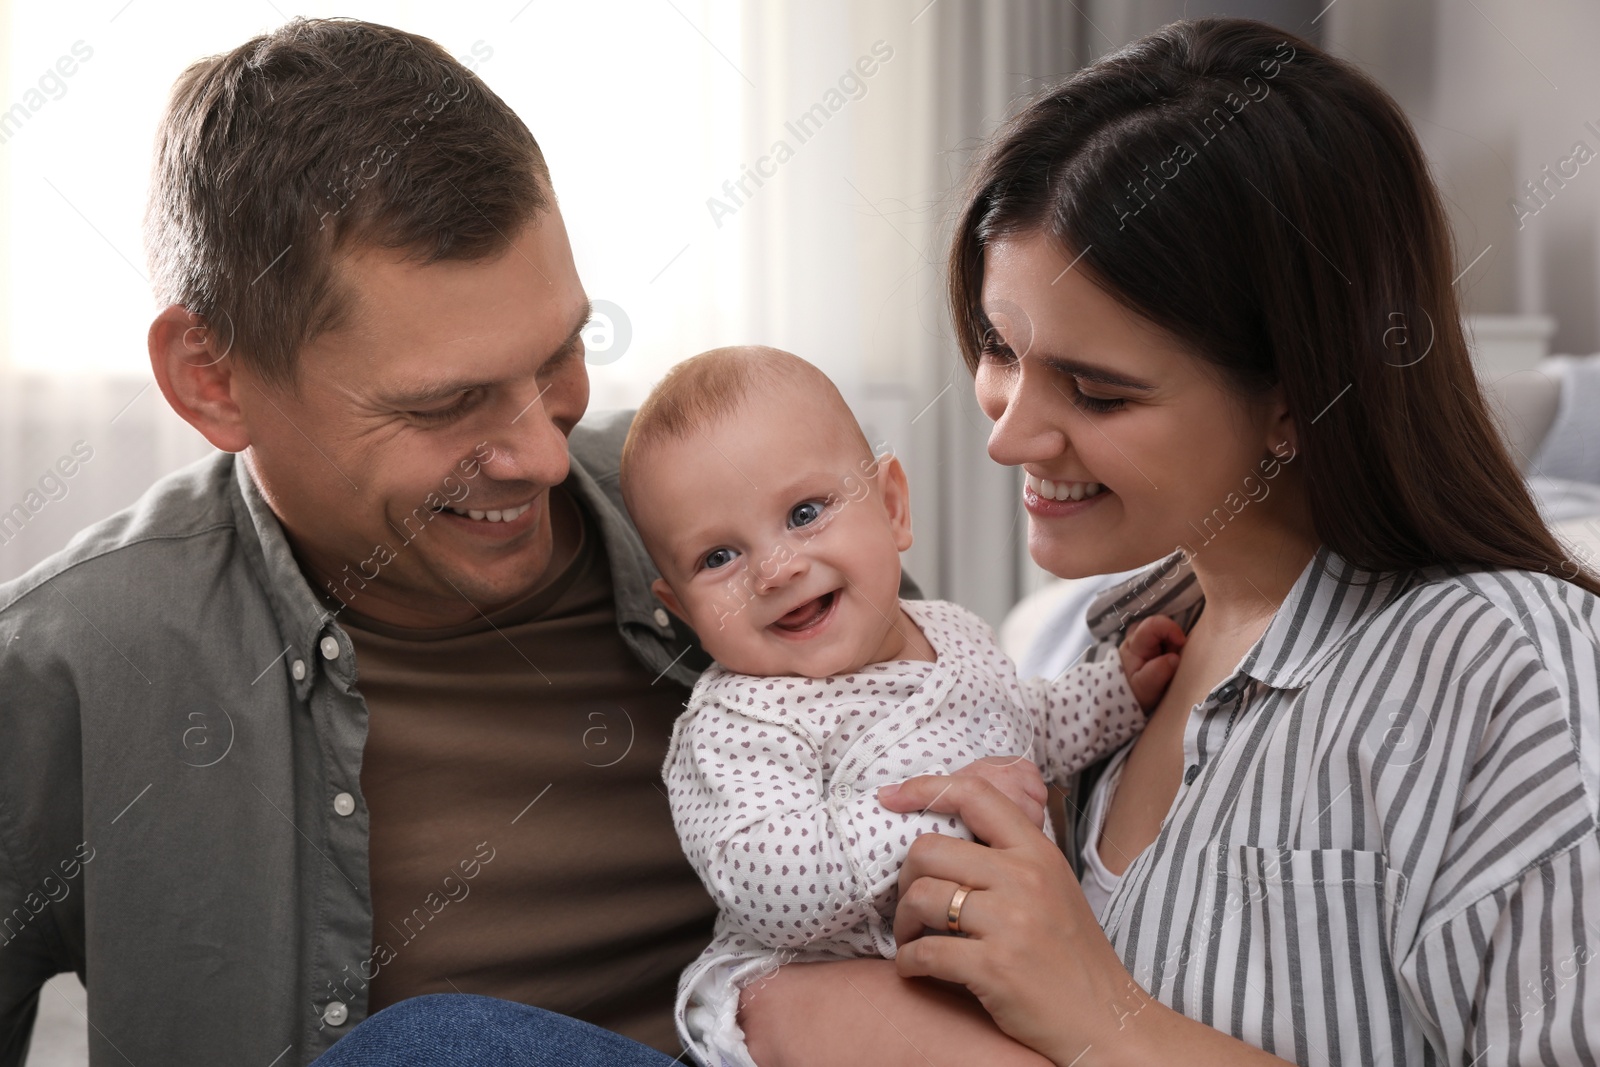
(896, 494)
(664, 593)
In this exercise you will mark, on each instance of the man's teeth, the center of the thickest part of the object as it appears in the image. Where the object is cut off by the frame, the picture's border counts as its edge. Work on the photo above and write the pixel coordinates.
(493, 516)
(1062, 490)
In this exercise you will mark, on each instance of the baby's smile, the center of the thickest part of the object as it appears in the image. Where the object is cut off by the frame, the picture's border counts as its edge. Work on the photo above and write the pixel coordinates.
(809, 619)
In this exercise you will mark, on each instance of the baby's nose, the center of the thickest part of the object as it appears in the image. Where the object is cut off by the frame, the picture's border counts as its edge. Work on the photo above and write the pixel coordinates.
(780, 567)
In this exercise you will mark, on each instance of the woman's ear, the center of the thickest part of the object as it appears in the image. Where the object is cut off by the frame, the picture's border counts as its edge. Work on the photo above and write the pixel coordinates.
(664, 593)
(192, 366)
(1283, 441)
(896, 495)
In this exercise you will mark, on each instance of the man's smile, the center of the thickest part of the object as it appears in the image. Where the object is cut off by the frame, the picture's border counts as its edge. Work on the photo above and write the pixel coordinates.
(506, 514)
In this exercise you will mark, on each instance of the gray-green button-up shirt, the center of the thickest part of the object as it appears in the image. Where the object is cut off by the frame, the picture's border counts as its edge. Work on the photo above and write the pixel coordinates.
(177, 716)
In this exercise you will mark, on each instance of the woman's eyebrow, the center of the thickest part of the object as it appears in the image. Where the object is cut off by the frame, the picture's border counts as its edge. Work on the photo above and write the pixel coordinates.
(1091, 373)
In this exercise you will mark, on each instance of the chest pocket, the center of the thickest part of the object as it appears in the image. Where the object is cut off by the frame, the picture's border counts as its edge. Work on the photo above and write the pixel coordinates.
(1297, 950)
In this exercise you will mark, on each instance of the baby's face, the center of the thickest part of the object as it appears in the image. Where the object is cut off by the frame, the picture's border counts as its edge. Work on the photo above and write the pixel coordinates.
(778, 537)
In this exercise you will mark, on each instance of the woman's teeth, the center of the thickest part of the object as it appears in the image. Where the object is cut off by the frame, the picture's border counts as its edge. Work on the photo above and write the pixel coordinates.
(1062, 490)
(505, 515)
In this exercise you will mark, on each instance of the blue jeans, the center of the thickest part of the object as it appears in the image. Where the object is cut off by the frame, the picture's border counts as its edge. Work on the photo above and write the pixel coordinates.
(466, 1030)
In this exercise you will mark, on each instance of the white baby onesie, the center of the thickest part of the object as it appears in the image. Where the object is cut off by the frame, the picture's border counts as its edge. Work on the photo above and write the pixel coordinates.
(773, 786)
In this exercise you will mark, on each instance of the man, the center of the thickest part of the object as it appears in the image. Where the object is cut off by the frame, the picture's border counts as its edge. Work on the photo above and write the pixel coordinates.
(372, 703)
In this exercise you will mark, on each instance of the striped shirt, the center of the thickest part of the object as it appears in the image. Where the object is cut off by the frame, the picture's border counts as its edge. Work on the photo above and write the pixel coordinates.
(1385, 847)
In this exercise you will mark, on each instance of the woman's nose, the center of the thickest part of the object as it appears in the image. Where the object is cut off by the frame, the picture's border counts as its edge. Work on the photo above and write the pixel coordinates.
(1027, 428)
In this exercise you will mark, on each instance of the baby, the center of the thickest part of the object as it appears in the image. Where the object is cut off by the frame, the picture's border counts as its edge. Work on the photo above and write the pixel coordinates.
(778, 535)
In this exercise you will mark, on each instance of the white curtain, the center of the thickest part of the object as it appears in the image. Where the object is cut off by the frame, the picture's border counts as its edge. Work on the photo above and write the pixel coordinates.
(844, 249)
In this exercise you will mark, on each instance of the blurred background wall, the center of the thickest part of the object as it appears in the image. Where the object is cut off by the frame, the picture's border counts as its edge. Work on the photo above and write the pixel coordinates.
(651, 112)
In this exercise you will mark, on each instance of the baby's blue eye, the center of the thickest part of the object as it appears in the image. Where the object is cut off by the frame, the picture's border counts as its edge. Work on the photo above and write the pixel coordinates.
(805, 514)
(718, 557)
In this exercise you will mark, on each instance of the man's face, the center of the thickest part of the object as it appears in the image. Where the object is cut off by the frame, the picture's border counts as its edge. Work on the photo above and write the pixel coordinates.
(447, 391)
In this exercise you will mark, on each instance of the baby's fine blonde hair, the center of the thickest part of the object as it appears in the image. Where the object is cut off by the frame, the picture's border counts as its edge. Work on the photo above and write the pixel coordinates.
(712, 385)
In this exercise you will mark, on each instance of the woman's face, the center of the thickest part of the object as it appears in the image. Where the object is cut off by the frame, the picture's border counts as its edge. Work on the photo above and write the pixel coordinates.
(1132, 446)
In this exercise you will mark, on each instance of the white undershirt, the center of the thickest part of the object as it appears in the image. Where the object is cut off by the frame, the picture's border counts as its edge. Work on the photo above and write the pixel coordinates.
(1099, 883)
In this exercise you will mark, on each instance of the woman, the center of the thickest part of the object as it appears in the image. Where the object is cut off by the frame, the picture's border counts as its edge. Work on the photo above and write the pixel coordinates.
(1210, 274)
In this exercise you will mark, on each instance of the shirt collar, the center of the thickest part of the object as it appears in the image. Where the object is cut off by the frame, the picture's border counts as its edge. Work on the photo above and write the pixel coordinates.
(300, 613)
(1329, 602)
(303, 616)
(631, 568)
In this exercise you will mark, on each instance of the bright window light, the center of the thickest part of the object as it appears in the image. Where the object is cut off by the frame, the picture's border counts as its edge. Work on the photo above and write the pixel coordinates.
(636, 105)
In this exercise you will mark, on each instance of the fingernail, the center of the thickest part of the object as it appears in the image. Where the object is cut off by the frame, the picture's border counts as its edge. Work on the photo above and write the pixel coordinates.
(887, 791)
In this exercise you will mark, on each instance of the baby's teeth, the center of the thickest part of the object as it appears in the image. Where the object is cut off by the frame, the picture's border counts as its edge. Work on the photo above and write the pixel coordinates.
(475, 514)
(492, 516)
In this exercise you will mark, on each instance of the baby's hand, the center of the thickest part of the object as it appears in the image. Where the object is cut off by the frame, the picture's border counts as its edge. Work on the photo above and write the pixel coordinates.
(1150, 657)
(1018, 778)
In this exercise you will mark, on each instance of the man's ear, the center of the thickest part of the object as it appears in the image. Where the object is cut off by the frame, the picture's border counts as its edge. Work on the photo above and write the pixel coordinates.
(664, 593)
(896, 494)
(195, 370)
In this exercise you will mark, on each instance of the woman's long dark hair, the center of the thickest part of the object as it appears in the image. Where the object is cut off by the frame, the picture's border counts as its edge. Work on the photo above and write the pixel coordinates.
(1269, 205)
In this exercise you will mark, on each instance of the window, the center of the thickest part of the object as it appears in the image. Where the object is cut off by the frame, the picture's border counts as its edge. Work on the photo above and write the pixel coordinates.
(636, 105)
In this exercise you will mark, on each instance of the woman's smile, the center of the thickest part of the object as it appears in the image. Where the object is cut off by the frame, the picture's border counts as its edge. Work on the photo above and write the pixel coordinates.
(1051, 500)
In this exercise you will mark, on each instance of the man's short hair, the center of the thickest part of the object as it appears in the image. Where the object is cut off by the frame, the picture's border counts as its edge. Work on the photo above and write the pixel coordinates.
(273, 158)
(704, 388)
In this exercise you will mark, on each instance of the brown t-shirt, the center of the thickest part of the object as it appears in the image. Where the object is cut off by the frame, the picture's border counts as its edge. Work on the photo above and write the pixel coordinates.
(521, 845)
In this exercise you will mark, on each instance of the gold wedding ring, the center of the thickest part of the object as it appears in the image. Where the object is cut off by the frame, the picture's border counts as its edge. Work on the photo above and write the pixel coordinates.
(952, 918)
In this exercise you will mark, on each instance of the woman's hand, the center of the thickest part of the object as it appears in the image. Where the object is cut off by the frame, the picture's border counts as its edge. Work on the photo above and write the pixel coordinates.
(1033, 953)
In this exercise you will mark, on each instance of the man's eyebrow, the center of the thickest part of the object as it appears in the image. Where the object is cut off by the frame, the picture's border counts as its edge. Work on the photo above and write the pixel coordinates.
(584, 315)
(1100, 375)
(444, 390)
(429, 394)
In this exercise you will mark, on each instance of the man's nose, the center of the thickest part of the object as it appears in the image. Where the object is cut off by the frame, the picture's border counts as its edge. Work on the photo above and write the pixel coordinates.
(529, 448)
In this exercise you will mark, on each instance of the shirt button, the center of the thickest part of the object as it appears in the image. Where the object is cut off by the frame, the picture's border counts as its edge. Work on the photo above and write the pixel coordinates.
(298, 669)
(344, 803)
(1227, 692)
(330, 648)
(662, 618)
(1191, 774)
(335, 1013)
